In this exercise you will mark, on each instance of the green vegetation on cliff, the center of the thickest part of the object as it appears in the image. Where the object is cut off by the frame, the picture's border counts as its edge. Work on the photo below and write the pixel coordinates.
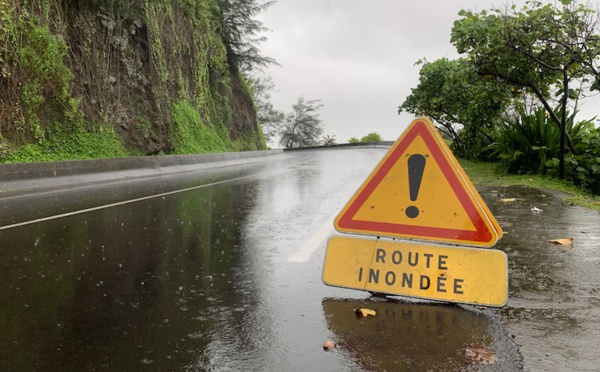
(94, 79)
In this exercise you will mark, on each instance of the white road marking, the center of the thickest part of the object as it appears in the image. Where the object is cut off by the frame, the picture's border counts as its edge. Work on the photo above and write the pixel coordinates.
(315, 242)
(81, 211)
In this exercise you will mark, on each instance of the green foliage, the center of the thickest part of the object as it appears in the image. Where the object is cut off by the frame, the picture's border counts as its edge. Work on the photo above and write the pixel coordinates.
(486, 173)
(353, 140)
(269, 118)
(540, 49)
(132, 60)
(455, 95)
(215, 92)
(525, 145)
(192, 136)
(34, 78)
(248, 143)
(328, 140)
(371, 137)
(73, 144)
(483, 37)
(242, 32)
(583, 169)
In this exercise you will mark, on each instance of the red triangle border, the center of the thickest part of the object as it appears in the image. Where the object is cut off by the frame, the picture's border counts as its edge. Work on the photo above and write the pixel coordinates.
(482, 234)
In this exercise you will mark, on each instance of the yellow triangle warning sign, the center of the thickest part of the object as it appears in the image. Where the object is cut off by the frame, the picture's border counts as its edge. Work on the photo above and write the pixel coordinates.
(419, 191)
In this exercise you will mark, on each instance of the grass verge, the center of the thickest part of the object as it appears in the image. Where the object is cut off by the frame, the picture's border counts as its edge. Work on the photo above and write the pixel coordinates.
(488, 174)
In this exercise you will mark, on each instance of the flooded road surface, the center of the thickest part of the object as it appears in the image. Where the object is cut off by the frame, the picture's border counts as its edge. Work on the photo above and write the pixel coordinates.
(226, 276)
(554, 291)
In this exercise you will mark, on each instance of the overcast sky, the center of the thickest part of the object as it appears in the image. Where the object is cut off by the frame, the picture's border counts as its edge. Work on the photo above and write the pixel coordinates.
(358, 56)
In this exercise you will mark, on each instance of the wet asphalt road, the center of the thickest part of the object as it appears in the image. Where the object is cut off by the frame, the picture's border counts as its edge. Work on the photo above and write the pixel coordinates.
(226, 276)
(554, 292)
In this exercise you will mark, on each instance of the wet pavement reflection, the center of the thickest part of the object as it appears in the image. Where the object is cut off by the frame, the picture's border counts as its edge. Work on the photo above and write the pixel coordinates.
(117, 288)
(554, 300)
(226, 276)
(416, 336)
(194, 280)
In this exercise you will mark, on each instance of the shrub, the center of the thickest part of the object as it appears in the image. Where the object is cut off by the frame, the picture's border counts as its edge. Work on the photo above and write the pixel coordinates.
(528, 143)
(583, 169)
(192, 136)
(72, 144)
(34, 78)
(371, 137)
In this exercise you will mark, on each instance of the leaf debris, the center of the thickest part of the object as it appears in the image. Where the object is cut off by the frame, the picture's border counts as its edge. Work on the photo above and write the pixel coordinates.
(480, 354)
(562, 241)
(328, 345)
(363, 313)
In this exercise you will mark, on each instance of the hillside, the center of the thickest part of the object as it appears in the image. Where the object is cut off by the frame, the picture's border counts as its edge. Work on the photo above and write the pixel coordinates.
(97, 78)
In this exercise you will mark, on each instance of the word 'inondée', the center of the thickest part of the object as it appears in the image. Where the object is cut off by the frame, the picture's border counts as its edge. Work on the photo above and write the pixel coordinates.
(409, 279)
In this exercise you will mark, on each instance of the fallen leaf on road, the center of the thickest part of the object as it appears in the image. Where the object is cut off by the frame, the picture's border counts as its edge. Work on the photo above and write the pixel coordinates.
(508, 200)
(328, 345)
(363, 313)
(564, 241)
(480, 354)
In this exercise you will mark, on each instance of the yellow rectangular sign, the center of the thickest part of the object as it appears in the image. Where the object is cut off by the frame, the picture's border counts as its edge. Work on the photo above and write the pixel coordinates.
(453, 274)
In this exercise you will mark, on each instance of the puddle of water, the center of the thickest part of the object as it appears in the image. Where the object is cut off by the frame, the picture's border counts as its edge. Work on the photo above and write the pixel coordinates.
(417, 337)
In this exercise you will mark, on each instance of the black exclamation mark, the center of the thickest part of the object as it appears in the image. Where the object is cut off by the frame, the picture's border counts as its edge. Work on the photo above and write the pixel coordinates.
(416, 165)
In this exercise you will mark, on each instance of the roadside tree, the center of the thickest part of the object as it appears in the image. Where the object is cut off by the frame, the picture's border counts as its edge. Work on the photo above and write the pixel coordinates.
(303, 125)
(465, 105)
(269, 118)
(242, 32)
(538, 49)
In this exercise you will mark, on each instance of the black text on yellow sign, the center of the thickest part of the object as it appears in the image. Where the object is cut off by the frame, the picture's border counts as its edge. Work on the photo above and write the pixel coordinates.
(453, 274)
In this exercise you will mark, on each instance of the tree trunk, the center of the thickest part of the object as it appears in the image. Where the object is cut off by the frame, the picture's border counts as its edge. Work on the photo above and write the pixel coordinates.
(563, 126)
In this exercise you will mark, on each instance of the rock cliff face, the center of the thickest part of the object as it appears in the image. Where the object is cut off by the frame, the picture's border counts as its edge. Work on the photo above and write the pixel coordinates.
(120, 65)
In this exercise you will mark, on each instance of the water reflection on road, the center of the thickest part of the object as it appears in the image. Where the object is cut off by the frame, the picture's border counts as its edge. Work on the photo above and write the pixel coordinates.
(123, 286)
(416, 337)
(554, 301)
(221, 277)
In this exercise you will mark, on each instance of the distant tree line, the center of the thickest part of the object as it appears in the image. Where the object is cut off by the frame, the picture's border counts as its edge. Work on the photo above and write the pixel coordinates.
(371, 137)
